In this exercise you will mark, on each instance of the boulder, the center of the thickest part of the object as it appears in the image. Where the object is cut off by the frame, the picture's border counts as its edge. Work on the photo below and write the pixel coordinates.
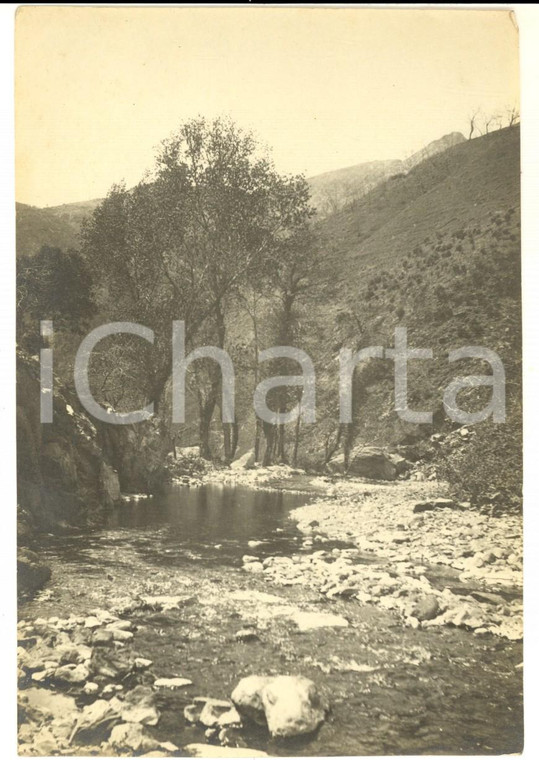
(375, 463)
(191, 713)
(230, 719)
(427, 608)
(248, 700)
(141, 663)
(245, 462)
(289, 705)
(293, 706)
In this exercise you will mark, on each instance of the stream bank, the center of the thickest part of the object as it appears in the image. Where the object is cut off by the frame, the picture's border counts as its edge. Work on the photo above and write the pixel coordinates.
(126, 612)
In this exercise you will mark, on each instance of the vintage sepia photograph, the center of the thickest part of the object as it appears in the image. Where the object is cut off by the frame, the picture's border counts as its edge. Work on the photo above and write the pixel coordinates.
(269, 381)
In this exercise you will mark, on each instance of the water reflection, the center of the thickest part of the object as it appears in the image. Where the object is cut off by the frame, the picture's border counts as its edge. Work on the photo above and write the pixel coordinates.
(213, 522)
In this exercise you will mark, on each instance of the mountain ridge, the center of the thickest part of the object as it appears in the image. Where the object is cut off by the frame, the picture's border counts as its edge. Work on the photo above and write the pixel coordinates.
(59, 226)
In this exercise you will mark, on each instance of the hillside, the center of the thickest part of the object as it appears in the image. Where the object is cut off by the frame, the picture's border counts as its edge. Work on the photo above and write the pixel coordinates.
(446, 192)
(74, 213)
(434, 147)
(36, 227)
(437, 251)
(335, 190)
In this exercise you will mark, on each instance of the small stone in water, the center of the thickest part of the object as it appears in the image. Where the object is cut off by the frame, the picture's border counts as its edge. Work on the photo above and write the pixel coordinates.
(212, 712)
(142, 664)
(247, 634)
(191, 713)
(172, 683)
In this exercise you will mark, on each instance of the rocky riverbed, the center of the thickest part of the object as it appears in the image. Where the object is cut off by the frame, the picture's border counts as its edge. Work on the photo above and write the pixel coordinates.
(410, 647)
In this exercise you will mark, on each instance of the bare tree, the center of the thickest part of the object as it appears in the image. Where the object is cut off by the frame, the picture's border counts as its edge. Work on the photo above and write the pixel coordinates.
(488, 120)
(513, 115)
(472, 119)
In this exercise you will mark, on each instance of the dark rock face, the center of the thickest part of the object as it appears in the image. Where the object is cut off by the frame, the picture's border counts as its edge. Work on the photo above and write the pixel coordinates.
(71, 471)
(62, 474)
(138, 453)
(32, 574)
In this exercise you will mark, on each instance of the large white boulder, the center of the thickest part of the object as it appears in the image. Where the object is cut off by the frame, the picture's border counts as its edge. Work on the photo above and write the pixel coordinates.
(290, 705)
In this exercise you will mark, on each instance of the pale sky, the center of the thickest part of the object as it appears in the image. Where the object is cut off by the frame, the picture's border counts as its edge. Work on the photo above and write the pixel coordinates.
(99, 88)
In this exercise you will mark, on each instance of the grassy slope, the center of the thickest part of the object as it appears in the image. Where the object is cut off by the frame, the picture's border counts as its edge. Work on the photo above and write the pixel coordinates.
(444, 193)
(437, 251)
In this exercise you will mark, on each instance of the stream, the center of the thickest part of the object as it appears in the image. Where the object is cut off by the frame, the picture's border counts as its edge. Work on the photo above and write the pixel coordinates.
(393, 690)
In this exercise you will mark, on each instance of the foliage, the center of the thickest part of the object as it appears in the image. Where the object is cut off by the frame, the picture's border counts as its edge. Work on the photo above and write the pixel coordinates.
(52, 285)
(213, 217)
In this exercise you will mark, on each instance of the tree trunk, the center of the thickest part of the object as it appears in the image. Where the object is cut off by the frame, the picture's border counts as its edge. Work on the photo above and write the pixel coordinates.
(296, 439)
(332, 448)
(230, 440)
(269, 435)
(204, 429)
(281, 444)
(235, 437)
(258, 436)
(348, 439)
(206, 410)
(226, 443)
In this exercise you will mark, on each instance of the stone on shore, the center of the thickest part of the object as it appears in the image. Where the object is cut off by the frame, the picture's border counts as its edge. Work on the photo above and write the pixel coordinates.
(427, 608)
(433, 504)
(213, 711)
(138, 706)
(132, 737)
(211, 750)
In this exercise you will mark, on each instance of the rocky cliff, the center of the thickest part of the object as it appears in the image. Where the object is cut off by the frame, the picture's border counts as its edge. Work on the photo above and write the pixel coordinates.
(71, 471)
